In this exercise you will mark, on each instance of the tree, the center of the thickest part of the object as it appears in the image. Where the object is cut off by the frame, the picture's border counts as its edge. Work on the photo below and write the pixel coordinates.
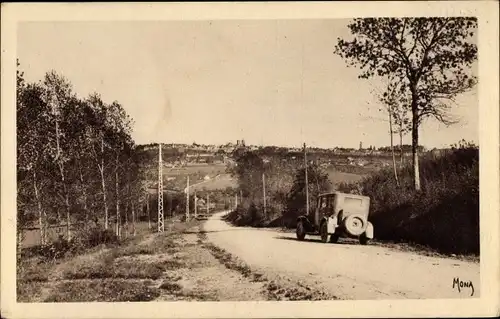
(249, 171)
(33, 125)
(57, 94)
(430, 56)
(394, 106)
(318, 183)
(96, 135)
(61, 139)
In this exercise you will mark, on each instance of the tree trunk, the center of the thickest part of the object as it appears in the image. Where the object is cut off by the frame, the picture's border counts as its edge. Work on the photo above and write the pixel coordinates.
(147, 211)
(66, 201)
(84, 190)
(63, 181)
(133, 219)
(414, 140)
(117, 199)
(126, 211)
(392, 147)
(127, 207)
(401, 144)
(39, 206)
(103, 185)
(104, 199)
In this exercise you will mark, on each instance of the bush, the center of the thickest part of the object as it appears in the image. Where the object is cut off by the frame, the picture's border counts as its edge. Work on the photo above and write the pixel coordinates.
(80, 242)
(247, 214)
(59, 249)
(444, 215)
(97, 236)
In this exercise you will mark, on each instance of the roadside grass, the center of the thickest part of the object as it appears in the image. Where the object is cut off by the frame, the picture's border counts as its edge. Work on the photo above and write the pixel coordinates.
(137, 250)
(277, 292)
(228, 260)
(157, 245)
(108, 290)
(122, 269)
(32, 277)
(105, 264)
(143, 268)
(173, 264)
(34, 270)
(225, 258)
(231, 262)
(201, 295)
(27, 291)
(170, 286)
(126, 271)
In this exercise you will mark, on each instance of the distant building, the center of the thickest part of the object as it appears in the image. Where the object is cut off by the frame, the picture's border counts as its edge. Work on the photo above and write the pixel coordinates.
(240, 143)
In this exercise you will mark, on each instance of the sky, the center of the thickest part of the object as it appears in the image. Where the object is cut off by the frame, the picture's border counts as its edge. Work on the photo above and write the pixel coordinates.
(269, 82)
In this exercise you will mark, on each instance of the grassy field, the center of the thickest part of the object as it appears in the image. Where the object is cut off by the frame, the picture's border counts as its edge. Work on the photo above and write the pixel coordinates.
(336, 177)
(221, 181)
(202, 169)
(176, 177)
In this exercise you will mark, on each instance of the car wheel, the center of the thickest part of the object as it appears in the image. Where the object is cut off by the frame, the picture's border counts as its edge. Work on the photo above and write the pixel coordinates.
(301, 234)
(334, 238)
(363, 240)
(323, 231)
(355, 225)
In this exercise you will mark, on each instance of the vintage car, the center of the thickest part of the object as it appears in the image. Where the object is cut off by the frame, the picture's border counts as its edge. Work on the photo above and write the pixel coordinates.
(338, 215)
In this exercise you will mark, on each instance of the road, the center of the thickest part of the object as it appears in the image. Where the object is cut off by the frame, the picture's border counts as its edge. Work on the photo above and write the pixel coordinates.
(347, 271)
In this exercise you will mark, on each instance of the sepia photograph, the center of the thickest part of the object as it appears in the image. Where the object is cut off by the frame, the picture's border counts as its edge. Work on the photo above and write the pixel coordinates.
(263, 159)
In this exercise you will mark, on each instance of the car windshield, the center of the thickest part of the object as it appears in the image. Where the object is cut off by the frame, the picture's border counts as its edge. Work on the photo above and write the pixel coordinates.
(331, 201)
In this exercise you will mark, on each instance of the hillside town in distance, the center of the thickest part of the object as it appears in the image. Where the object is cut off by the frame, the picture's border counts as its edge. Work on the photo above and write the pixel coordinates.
(179, 155)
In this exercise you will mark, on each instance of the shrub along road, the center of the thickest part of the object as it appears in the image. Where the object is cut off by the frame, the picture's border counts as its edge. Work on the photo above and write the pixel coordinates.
(345, 270)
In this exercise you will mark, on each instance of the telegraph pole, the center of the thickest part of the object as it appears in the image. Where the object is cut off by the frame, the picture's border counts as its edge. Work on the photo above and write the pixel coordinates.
(161, 224)
(195, 205)
(307, 182)
(187, 199)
